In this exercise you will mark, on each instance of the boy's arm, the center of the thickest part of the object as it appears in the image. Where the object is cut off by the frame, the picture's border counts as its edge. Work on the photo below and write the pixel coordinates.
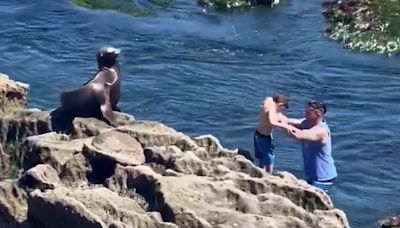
(272, 115)
(295, 122)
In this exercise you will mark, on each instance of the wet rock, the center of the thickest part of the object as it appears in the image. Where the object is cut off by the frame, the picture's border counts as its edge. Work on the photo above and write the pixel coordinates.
(223, 5)
(123, 6)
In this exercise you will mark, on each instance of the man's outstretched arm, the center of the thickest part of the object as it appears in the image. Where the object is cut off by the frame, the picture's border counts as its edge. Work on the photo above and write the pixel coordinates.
(313, 134)
(295, 122)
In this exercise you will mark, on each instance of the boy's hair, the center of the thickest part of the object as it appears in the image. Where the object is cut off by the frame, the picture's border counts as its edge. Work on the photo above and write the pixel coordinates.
(280, 98)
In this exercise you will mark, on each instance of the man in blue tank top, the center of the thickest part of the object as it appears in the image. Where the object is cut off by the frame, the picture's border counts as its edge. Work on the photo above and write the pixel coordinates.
(314, 134)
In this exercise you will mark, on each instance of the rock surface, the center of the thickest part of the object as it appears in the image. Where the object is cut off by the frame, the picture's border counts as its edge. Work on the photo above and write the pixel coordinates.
(392, 222)
(123, 6)
(13, 95)
(224, 5)
(364, 25)
(144, 174)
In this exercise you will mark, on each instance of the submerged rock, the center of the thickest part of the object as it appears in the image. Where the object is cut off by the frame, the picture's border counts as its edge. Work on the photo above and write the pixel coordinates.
(392, 222)
(124, 6)
(365, 25)
(230, 4)
(144, 174)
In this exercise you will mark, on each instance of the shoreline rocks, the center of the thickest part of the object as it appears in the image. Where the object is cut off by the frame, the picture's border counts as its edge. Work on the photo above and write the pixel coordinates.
(123, 6)
(391, 222)
(364, 25)
(142, 174)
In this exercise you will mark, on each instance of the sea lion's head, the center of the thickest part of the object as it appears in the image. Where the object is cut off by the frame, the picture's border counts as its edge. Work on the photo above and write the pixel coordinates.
(107, 56)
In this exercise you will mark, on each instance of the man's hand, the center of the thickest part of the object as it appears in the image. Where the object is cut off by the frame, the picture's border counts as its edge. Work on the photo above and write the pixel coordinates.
(292, 131)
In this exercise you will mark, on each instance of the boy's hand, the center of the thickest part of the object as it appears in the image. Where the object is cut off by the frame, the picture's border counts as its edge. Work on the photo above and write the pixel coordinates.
(291, 130)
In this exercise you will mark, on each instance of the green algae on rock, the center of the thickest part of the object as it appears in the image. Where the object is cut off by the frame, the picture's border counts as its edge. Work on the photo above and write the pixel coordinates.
(123, 6)
(365, 25)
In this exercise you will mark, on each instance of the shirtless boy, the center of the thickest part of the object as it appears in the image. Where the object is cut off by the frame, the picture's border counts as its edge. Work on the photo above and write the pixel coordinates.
(270, 117)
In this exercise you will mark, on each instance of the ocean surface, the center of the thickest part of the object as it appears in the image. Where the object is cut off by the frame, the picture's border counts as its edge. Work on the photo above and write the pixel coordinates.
(207, 73)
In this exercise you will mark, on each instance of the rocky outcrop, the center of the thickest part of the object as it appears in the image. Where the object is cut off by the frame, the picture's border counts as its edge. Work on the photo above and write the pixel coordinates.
(144, 174)
(88, 207)
(138, 10)
(391, 222)
(13, 95)
(364, 25)
(123, 6)
(231, 4)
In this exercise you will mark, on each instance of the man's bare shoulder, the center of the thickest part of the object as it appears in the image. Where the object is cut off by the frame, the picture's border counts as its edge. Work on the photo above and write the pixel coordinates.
(321, 132)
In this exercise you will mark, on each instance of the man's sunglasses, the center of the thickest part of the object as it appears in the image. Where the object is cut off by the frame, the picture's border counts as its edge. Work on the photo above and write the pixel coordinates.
(319, 105)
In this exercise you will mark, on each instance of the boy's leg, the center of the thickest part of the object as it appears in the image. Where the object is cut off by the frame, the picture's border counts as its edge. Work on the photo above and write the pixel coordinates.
(269, 162)
(270, 147)
(263, 149)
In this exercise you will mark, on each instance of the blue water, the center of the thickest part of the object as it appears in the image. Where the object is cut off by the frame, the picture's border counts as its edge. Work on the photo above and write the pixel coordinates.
(208, 72)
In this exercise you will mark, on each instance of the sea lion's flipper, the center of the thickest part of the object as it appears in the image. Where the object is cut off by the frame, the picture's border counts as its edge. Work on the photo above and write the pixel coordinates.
(105, 105)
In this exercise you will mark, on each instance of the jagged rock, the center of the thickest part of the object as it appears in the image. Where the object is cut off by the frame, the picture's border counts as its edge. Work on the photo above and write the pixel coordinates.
(87, 127)
(13, 205)
(210, 143)
(151, 133)
(91, 207)
(199, 163)
(53, 149)
(15, 127)
(13, 95)
(230, 4)
(156, 177)
(76, 170)
(116, 147)
(109, 148)
(391, 222)
(41, 177)
(236, 200)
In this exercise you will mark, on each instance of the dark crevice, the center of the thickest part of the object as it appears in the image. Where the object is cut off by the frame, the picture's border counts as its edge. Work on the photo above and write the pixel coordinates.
(102, 168)
(14, 95)
(61, 121)
(152, 158)
(149, 190)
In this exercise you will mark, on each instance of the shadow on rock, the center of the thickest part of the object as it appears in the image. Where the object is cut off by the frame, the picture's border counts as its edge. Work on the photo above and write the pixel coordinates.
(61, 121)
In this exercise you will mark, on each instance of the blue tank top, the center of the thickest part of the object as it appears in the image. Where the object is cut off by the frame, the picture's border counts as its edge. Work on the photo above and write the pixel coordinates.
(318, 161)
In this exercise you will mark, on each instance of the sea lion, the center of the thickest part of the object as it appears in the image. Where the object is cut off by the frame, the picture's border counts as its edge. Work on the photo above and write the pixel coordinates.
(99, 96)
